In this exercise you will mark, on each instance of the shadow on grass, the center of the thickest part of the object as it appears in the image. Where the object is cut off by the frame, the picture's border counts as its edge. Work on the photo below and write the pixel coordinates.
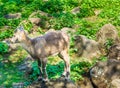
(55, 71)
(9, 72)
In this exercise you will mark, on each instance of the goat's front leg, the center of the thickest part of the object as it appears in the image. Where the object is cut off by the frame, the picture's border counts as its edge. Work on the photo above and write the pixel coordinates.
(65, 56)
(44, 63)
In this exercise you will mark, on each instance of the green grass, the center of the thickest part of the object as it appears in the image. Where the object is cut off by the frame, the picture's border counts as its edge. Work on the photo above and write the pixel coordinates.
(9, 74)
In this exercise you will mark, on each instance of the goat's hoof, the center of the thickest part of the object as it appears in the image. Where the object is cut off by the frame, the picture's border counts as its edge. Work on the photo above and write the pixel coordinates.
(40, 78)
(45, 80)
(63, 77)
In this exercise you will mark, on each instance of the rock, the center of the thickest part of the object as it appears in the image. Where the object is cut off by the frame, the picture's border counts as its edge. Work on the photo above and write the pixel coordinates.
(42, 20)
(41, 13)
(26, 66)
(18, 85)
(115, 83)
(104, 74)
(69, 31)
(86, 47)
(97, 12)
(114, 52)
(108, 31)
(75, 10)
(13, 16)
(85, 83)
(35, 21)
(58, 83)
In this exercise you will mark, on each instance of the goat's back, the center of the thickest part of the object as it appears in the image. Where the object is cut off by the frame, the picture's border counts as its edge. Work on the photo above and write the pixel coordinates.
(51, 43)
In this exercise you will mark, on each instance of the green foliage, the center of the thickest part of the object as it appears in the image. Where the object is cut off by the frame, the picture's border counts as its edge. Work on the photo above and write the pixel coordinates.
(9, 73)
(36, 71)
(86, 28)
(78, 69)
(53, 6)
(62, 20)
(111, 11)
(3, 21)
(28, 26)
(54, 71)
(103, 58)
(3, 48)
(109, 43)
(94, 3)
(6, 34)
(58, 6)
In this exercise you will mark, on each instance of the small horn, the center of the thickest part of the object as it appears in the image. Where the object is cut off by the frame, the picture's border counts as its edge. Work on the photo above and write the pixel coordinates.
(21, 28)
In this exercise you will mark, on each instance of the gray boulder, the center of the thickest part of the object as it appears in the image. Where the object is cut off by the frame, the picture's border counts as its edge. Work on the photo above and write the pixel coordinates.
(26, 66)
(86, 47)
(114, 52)
(86, 83)
(106, 74)
(13, 16)
(41, 13)
(58, 83)
(75, 10)
(35, 21)
(107, 32)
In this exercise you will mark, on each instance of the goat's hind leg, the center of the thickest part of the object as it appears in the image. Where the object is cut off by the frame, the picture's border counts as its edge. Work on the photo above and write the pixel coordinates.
(65, 56)
(45, 76)
(40, 69)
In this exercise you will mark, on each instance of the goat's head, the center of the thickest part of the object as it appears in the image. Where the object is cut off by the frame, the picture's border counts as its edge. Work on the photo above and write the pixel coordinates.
(19, 35)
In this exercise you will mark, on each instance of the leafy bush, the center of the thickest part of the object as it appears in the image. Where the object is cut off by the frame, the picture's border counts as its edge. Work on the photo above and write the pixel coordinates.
(36, 71)
(86, 28)
(3, 48)
(108, 43)
(6, 34)
(53, 6)
(58, 6)
(62, 20)
(78, 69)
(54, 71)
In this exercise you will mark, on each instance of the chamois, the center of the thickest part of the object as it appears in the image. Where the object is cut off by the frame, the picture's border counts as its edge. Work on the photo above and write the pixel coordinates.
(54, 42)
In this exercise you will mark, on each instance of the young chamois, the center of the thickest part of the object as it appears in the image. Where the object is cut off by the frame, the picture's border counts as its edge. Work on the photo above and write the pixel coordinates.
(54, 42)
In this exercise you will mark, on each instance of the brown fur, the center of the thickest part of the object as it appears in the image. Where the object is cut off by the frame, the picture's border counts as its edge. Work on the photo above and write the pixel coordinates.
(54, 42)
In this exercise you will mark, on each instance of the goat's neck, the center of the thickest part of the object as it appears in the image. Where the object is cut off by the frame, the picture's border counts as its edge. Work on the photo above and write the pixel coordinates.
(26, 43)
